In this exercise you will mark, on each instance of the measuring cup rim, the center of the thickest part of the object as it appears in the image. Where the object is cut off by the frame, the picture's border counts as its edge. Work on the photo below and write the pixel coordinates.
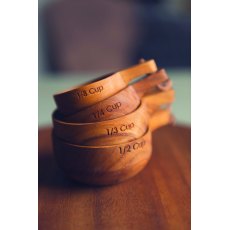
(57, 120)
(148, 131)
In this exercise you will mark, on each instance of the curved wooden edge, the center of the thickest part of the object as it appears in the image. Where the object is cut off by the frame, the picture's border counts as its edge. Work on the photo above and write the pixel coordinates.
(114, 131)
(104, 165)
(77, 98)
(150, 82)
(165, 85)
(159, 98)
(160, 118)
(140, 69)
(57, 118)
(120, 104)
(92, 133)
(125, 101)
(153, 99)
(103, 149)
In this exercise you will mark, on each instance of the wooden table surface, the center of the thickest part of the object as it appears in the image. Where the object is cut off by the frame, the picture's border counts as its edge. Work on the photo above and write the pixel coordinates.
(157, 198)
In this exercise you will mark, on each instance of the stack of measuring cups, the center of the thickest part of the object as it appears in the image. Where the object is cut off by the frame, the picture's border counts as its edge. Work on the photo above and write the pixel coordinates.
(102, 129)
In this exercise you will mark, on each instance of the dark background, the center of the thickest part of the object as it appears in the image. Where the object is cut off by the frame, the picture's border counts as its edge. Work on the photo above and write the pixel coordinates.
(86, 35)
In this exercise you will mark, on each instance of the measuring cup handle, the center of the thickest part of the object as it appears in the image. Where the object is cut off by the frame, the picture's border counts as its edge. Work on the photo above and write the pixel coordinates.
(138, 70)
(156, 100)
(160, 118)
(147, 84)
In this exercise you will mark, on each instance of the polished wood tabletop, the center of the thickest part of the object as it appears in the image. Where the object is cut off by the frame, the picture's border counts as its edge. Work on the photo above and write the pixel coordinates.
(157, 198)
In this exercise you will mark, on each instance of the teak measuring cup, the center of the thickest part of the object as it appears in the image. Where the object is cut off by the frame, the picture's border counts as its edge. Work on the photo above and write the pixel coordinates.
(116, 131)
(75, 99)
(122, 129)
(104, 165)
(123, 102)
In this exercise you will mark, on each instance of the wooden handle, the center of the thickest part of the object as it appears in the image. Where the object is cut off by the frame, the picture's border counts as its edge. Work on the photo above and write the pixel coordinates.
(77, 98)
(126, 100)
(165, 85)
(161, 118)
(120, 104)
(157, 100)
(147, 84)
(141, 69)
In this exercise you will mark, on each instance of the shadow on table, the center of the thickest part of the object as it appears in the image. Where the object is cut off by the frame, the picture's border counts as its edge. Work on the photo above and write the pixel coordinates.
(49, 174)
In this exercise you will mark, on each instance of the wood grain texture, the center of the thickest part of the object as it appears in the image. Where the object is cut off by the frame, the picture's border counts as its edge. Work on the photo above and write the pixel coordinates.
(123, 102)
(120, 104)
(112, 164)
(116, 131)
(157, 198)
(153, 82)
(110, 132)
(80, 97)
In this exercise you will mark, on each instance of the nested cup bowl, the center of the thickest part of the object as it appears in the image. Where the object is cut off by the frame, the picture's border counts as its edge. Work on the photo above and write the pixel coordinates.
(120, 130)
(110, 164)
(115, 131)
(123, 102)
(103, 165)
(80, 97)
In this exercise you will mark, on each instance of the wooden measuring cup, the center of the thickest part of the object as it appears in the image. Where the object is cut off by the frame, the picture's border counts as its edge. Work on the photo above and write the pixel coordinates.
(104, 165)
(122, 129)
(77, 98)
(159, 100)
(123, 102)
